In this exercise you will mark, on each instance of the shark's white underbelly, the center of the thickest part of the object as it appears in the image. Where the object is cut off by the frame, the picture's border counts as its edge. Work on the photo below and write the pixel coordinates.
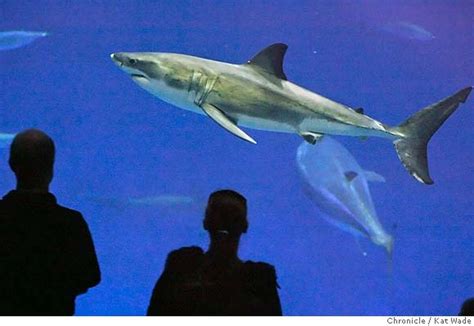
(325, 126)
(267, 124)
(264, 124)
(315, 125)
(182, 99)
(169, 95)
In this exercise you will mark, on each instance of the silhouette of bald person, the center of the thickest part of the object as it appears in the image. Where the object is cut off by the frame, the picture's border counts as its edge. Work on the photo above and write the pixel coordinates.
(47, 256)
(31, 159)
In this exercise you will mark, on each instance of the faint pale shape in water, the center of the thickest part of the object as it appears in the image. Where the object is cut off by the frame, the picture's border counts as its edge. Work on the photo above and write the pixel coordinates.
(149, 201)
(409, 31)
(337, 184)
(15, 39)
(6, 140)
(163, 200)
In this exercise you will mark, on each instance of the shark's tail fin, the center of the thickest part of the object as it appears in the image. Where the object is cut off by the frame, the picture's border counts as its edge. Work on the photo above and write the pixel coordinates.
(417, 130)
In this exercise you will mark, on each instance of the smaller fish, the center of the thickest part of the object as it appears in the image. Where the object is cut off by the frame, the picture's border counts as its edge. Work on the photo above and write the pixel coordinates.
(6, 140)
(163, 201)
(337, 184)
(409, 31)
(16, 39)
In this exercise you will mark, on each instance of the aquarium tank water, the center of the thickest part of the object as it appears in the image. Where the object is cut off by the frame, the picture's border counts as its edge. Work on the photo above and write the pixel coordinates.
(140, 170)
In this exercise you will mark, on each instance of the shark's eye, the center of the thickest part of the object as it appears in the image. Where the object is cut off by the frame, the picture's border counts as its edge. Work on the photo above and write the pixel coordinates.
(132, 61)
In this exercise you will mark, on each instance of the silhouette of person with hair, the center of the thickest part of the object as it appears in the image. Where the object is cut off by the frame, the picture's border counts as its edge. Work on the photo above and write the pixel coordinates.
(467, 308)
(217, 282)
(47, 256)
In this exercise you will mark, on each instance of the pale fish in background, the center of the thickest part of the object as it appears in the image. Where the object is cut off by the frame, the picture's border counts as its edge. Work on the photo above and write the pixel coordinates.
(16, 39)
(407, 30)
(6, 140)
(339, 187)
(161, 201)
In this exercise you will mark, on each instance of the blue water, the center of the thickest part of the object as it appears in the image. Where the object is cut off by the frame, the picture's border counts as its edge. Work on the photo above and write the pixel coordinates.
(115, 140)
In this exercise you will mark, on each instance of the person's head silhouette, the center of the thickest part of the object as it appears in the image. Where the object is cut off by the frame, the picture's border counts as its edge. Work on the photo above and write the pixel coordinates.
(225, 220)
(31, 159)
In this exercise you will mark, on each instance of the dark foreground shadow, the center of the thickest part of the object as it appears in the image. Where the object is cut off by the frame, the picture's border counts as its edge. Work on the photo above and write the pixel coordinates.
(47, 256)
(217, 282)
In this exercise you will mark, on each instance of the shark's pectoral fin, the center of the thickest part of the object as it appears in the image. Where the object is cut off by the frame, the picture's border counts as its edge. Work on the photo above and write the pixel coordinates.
(311, 137)
(225, 122)
(373, 176)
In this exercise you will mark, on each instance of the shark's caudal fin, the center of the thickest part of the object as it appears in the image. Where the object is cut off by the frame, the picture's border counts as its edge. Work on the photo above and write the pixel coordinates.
(417, 131)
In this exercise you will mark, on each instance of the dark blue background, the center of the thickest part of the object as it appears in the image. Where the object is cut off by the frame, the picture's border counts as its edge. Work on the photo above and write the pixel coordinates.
(115, 140)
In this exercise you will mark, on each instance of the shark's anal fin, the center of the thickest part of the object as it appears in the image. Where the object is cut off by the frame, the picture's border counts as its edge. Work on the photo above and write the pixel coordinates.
(270, 60)
(225, 122)
(311, 137)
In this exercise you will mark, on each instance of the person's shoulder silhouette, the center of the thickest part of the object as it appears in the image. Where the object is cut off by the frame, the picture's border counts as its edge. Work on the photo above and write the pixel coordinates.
(47, 256)
(467, 308)
(217, 282)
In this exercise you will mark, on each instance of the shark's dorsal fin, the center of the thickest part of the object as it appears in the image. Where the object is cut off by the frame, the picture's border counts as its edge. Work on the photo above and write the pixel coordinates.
(270, 60)
(350, 175)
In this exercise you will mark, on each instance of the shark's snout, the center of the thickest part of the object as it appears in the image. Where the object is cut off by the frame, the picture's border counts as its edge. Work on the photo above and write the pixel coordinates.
(124, 59)
(120, 58)
(128, 63)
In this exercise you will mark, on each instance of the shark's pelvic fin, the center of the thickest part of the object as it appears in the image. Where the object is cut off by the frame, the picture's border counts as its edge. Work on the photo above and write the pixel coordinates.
(311, 137)
(270, 60)
(225, 122)
(417, 131)
(373, 176)
(359, 110)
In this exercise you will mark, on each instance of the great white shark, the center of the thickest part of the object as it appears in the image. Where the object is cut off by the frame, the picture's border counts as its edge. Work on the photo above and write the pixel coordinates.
(257, 95)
